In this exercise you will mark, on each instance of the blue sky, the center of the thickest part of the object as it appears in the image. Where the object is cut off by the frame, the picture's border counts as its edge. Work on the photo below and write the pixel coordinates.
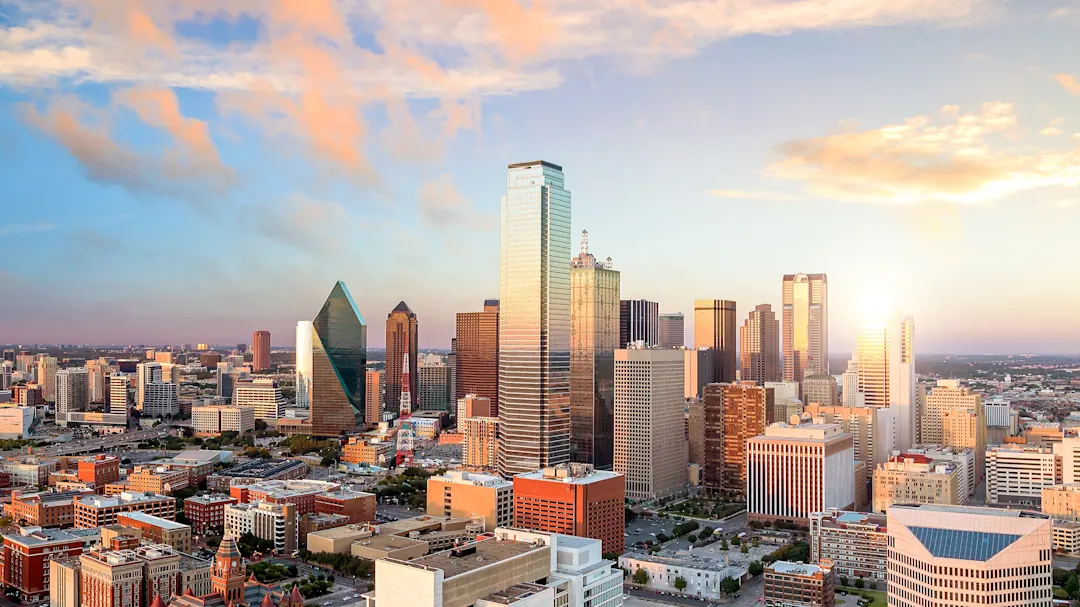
(191, 172)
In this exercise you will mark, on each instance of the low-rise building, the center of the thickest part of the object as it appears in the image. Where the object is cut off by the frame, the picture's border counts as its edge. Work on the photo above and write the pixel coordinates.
(257, 470)
(376, 447)
(99, 470)
(93, 511)
(310, 523)
(157, 479)
(1017, 474)
(573, 499)
(212, 420)
(338, 540)
(469, 494)
(29, 470)
(916, 479)
(207, 512)
(799, 585)
(272, 522)
(299, 493)
(45, 509)
(856, 543)
(703, 574)
(355, 506)
(960, 457)
(26, 556)
(158, 530)
(481, 442)
(1066, 536)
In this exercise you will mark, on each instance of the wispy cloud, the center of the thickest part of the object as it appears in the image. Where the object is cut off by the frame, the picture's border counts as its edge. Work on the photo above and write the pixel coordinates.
(25, 228)
(443, 206)
(1069, 82)
(763, 195)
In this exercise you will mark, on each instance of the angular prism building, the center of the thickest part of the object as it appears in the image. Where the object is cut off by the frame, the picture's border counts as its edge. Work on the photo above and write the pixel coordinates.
(338, 358)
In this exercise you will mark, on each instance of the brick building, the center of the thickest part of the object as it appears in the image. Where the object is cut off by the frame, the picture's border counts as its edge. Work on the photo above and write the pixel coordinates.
(44, 509)
(97, 511)
(573, 499)
(207, 512)
(299, 493)
(158, 530)
(24, 562)
(359, 507)
(158, 479)
(799, 585)
(99, 470)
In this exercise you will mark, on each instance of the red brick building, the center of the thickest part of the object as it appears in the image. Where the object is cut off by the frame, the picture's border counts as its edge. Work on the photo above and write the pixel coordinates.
(299, 493)
(43, 509)
(25, 557)
(206, 513)
(358, 506)
(99, 470)
(573, 499)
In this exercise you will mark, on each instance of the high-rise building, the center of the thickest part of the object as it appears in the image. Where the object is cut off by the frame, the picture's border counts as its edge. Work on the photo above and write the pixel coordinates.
(650, 449)
(1062, 502)
(6, 368)
(401, 339)
(434, 384)
(806, 326)
(9, 355)
(948, 396)
(1016, 475)
(672, 330)
(820, 389)
(262, 394)
(639, 320)
(260, 350)
(795, 470)
(534, 320)
(695, 432)
(148, 373)
(304, 332)
(698, 370)
(902, 384)
(1068, 452)
(339, 360)
(872, 352)
(945, 555)
(759, 346)
(966, 428)
(748, 409)
(712, 452)
(573, 499)
(72, 391)
(911, 478)
(373, 385)
(470, 495)
(160, 399)
(594, 336)
(477, 353)
(98, 371)
(481, 447)
(849, 384)
(871, 429)
(715, 327)
(46, 377)
(118, 394)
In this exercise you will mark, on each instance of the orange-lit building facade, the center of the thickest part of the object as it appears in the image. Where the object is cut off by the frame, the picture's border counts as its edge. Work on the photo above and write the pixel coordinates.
(260, 351)
(401, 339)
(358, 506)
(98, 511)
(478, 353)
(573, 499)
(747, 410)
(99, 470)
(759, 346)
(206, 513)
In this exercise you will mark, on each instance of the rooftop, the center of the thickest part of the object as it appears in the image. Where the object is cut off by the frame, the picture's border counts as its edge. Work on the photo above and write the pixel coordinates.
(213, 498)
(693, 561)
(979, 510)
(476, 555)
(789, 568)
(578, 474)
(36, 536)
(290, 488)
(386, 542)
(261, 468)
(423, 522)
(461, 477)
(127, 497)
(515, 593)
(341, 533)
(156, 521)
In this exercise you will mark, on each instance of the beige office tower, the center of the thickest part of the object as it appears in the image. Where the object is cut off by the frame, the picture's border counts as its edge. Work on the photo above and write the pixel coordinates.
(46, 376)
(98, 379)
(806, 326)
(374, 406)
(759, 346)
(872, 353)
(953, 556)
(950, 396)
(594, 337)
(697, 371)
(916, 479)
(820, 389)
(650, 446)
(871, 428)
(715, 327)
(902, 384)
(481, 442)
(966, 428)
(672, 330)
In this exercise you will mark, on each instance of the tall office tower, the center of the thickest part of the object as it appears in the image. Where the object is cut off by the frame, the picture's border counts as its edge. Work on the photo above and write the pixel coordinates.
(715, 327)
(478, 353)
(871, 428)
(339, 358)
(849, 384)
(304, 331)
(639, 320)
(795, 470)
(46, 376)
(948, 395)
(712, 448)
(820, 389)
(748, 409)
(148, 373)
(966, 428)
(949, 555)
(872, 352)
(260, 351)
(806, 326)
(902, 383)
(695, 432)
(5, 374)
(650, 446)
(698, 371)
(160, 400)
(25, 362)
(263, 395)
(672, 330)
(434, 385)
(242, 348)
(451, 361)
(534, 320)
(594, 336)
(72, 390)
(373, 385)
(759, 346)
(118, 394)
(162, 356)
(98, 373)
(401, 339)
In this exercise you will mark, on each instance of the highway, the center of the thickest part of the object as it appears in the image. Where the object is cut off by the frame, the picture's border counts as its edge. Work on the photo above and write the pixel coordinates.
(110, 442)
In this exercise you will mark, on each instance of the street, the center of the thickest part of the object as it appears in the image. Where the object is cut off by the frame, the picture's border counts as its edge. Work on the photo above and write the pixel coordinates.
(750, 594)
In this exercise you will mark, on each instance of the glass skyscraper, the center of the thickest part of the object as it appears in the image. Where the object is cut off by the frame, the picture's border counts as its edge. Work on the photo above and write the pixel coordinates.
(304, 331)
(534, 319)
(338, 358)
(806, 326)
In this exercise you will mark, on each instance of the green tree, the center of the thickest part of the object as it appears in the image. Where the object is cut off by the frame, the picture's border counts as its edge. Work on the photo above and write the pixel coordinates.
(744, 548)
(859, 583)
(843, 580)
(692, 538)
(873, 585)
(756, 568)
(724, 544)
(755, 542)
(641, 577)
(1072, 586)
(729, 585)
(680, 583)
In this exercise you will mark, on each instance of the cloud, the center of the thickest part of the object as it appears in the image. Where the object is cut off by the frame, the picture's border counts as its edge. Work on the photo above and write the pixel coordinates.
(305, 223)
(443, 206)
(753, 195)
(917, 161)
(1052, 131)
(1069, 82)
(25, 228)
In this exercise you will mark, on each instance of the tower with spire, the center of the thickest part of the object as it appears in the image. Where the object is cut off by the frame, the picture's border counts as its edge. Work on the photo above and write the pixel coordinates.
(405, 407)
(227, 575)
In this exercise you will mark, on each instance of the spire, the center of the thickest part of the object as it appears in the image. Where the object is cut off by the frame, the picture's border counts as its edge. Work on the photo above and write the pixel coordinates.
(252, 579)
(157, 601)
(405, 407)
(584, 244)
(267, 601)
(402, 307)
(228, 548)
(295, 595)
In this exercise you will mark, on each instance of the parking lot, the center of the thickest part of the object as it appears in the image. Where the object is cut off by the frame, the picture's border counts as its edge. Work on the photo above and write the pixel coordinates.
(649, 527)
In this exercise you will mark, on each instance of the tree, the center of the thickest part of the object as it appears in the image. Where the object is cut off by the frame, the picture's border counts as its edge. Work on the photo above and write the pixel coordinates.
(755, 542)
(729, 585)
(705, 532)
(724, 544)
(843, 580)
(756, 568)
(744, 549)
(873, 585)
(1072, 586)
(692, 538)
(859, 583)
(680, 583)
(641, 577)
(662, 538)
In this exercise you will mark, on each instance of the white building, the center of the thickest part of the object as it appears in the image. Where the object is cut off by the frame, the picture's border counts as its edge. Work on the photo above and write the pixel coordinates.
(304, 331)
(160, 399)
(272, 522)
(999, 414)
(957, 555)
(72, 391)
(795, 470)
(703, 574)
(15, 422)
(262, 394)
(118, 394)
(1017, 474)
(650, 448)
(433, 384)
(903, 399)
(1068, 450)
(145, 374)
(849, 384)
(211, 420)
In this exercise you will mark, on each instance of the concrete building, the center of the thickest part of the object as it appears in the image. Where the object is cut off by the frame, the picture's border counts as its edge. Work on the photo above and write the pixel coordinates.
(93, 511)
(275, 523)
(716, 328)
(871, 428)
(15, 422)
(950, 396)
(212, 420)
(337, 540)
(650, 448)
(698, 370)
(1066, 537)
(160, 399)
(916, 479)
(158, 479)
(966, 429)
(747, 410)
(470, 495)
(963, 459)
(703, 574)
(695, 432)
(45, 509)
(820, 389)
(118, 400)
(29, 470)
(672, 330)
(263, 395)
(72, 390)
(1068, 452)
(373, 386)
(573, 499)
(948, 555)
(158, 530)
(799, 585)
(377, 447)
(759, 346)
(1017, 474)
(46, 377)
(805, 325)
(481, 443)
(434, 385)
(795, 470)
(856, 543)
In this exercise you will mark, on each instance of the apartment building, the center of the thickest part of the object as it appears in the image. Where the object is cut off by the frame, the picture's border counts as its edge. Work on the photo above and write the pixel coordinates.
(856, 543)
(469, 494)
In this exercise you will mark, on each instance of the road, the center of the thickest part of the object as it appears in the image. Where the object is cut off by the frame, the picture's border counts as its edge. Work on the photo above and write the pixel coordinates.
(751, 594)
(110, 442)
(398, 512)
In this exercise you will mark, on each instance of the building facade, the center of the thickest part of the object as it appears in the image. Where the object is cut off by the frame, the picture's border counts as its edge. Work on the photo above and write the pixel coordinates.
(716, 328)
(481, 443)
(263, 395)
(469, 495)
(402, 335)
(672, 330)
(338, 363)
(1016, 475)
(573, 499)
(476, 353)
(872, 352)
(748, 409)
(916, 479)
(820, 389)
(856, 543)
(799, 585)
(639, 320)
(759, 346)
(806, 325)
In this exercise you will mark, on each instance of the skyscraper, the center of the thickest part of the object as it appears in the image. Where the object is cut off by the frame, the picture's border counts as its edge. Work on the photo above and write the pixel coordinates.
(534, 319)
(872, 352)
(672, 330)
(47, 377)
(118, 394)
(260, 351)
(401, 339)
(747, 410)
(759, 347)
(149, 373)
(902, 385)
(304, 331)
(373, 385)
(477, 353)
(594, 335)
(72, 391)
(339, 357)
(639, 320)
(806, 325)
(715, 327)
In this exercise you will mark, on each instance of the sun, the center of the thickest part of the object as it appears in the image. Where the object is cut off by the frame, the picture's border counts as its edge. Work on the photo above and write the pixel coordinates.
(876, 305)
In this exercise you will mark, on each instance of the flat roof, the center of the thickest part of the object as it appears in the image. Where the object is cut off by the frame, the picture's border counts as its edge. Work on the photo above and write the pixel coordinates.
(593, 476)
(789, 568)
(261, 468)
(515, 593)
(981, 510)
(486, 553)
(340, 533)
(156, 521)
(387, 542)
(127, 497)
(418, 523)
(518, 165)
(213, 498)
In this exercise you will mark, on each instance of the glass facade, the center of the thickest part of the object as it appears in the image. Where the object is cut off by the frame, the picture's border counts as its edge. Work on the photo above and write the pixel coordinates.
(339, 355)
(401, 339)
(806, 326)
(534, 319)
(715, 327)
(304, 331)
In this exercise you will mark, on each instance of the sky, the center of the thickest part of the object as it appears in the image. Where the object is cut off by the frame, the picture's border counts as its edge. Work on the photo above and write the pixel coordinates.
(191, 171)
